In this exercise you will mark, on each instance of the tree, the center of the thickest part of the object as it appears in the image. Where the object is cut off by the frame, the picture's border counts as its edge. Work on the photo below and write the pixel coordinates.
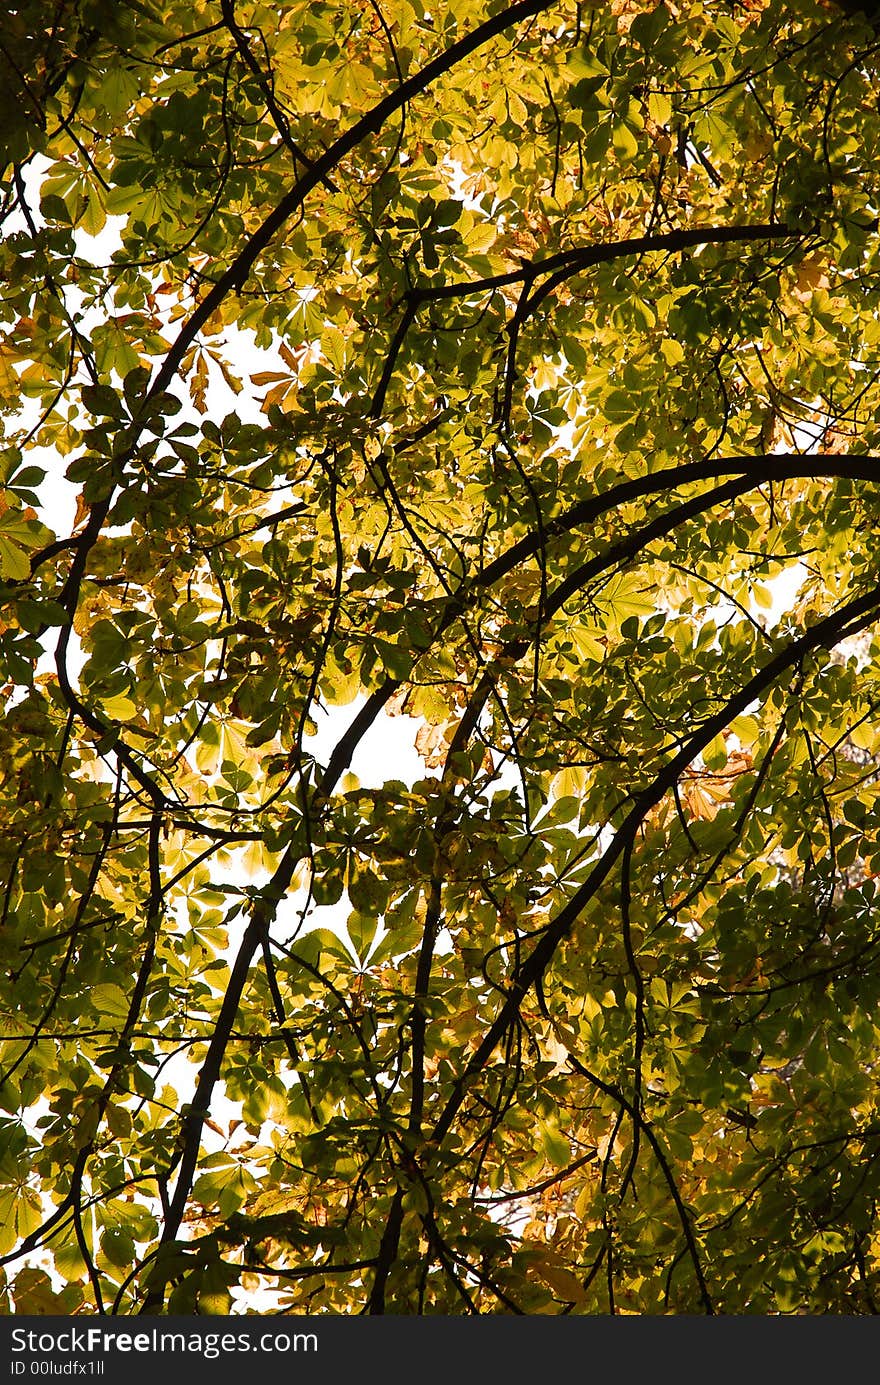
(515, 369)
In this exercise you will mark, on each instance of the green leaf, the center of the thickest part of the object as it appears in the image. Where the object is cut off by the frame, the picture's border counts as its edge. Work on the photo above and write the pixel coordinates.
(555, 1146)
(624, 142)
(361, 930)
(715, 754)
(119, 708)
(14, 561)
(621, 598)
(659, 107)
(118, 1247)
(110, 1001)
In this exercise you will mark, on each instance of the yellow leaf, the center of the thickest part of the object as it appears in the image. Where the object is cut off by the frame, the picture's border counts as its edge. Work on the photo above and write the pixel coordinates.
(14, 562)
(564, 1284)
(762, 597)
(570, 782)
(269, 377)
(110, 1001)
(621, 598)
(624, 142)
(119, 708)
(659, 107)
(715, 754)
(479, 238)
(672, 351)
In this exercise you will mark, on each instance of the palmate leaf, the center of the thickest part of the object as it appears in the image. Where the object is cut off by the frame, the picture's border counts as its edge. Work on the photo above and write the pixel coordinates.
(621, 598)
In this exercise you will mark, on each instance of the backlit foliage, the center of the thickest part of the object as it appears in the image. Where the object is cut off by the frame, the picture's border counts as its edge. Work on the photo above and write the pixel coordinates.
(515, 371)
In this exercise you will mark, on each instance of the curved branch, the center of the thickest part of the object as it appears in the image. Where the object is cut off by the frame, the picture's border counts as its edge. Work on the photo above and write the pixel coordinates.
(640, 1123)
(848, 620)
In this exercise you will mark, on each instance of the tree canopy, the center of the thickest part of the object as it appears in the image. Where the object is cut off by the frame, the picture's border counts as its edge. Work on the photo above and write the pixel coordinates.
(509, 373)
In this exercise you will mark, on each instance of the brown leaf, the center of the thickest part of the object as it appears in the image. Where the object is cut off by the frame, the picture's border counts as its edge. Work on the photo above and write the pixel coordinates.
(432, 742)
